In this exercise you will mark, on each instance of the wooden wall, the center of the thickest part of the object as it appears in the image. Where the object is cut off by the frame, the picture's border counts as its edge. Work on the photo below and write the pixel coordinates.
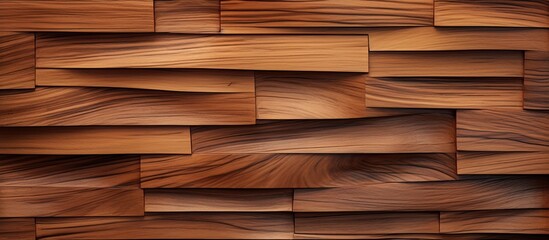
(282, 119)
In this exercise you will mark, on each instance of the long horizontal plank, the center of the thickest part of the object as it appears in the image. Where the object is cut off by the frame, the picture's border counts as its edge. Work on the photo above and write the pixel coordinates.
(424, 236)
(500, 13)
(77, 106)
(180, 80)
(366, 223)
(536, 80)
(70, 171)
(171, 226)
(16, 60)
(17, 228)
(95, 140)
(248, 52)
(186, 16)
(17, 201)
(530, 221)
(465, 93)
(447, 64)
(402, 134)
(291, 170)
(503, 162)
(471, 194)
(325, 13)
(77, 16)
(502, 130)
(218, 200)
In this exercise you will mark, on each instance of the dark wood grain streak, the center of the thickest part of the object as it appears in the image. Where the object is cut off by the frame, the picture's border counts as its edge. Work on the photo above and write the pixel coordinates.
(530, 221)
(17, 228)
(187, 16)
(16, 60)
(502, 162)
(536, 80)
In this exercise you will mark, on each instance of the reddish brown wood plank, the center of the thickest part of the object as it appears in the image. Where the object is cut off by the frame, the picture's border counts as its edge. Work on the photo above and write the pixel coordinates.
(16, 60)
(530, 221)
(407, 236)
(17, 228)
(503, 163)
(536, 80)
(187, 16)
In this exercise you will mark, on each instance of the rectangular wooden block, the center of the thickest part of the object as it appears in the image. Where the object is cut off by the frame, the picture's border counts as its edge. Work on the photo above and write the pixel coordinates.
(536, 80)
(503, 162)
(291, 170)
(16, 60)
(465, 93)
(17, 228)
(248, 52)
(401, 134)
(80, 106)
(95, 140)
(187, 16)
(447, 64)
(77, 16)
(528, 221)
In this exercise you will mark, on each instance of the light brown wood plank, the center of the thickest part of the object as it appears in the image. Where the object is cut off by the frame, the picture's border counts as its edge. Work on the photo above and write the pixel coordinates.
(465, 93)
(536, 80)
(499, 13)
(187, 16)
(95, 140)
(502, 130)
(17, 201)
(447, 64)
(468, 194)
(530, 221)
(77, 16)
(77, 106)
(291, 170)
(17, 228)
(16, 60)
(248, 52)
(180, 80)
(70, 171)
(366, 223)
(218, 200)
(402, 134)
(503, 162)
(171, 226)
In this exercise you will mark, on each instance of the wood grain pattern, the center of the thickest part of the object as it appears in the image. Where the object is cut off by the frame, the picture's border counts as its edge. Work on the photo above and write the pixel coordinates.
(218, 200)
(407, 236)
(500, 13)
(466, 93)
(447, 64)
(326, 13)
(95, 140)
(468, 194)
(17, 201)
(76, 106)
(16, 60)
(171, 226)
(17, 228)
(502, 130)
(187, 16)
(503, 163)
(530, 221)
(180, 80)
(249, 52)
(77, 16)
(536, 80)
(403, 134)
(366, 223)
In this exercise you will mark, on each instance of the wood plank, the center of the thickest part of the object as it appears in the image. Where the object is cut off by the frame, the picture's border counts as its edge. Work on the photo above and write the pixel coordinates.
(291, 170)
(407, 236)
(500, 13)
(502, 130)
(325, 13)
(447, 64)
(95, 140)
(465, 93)
(187, 16)
(530, 221)
(218, 200)
(171, 226)
(77, 16)
(180, 80)
(487, 236)
(70, 171)
(503, 162)
(309, 95)
(16, 60)
(403, 134)
(18, 201)
(366, 223)
(468, 194)
(536, 80)
(248, 52)
(17, 228)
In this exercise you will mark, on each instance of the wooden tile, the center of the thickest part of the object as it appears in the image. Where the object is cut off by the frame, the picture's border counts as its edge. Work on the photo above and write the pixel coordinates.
(407, 236)
(95, 140)
(536, 80)
(248, 52)
(17, 228)
(187, 16)
(503, 163)
(490, 236)
(529, 221)
(16, 60)
(77, 16)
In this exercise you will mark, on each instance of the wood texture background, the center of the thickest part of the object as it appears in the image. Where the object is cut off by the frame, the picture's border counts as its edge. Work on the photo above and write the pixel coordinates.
(274, 119)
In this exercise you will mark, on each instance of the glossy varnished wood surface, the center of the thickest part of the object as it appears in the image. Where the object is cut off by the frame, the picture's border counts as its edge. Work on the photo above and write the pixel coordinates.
(502, 162)
(16, 60)
(536, 80)
(529, 221)
(17, 228)
(186, 16)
